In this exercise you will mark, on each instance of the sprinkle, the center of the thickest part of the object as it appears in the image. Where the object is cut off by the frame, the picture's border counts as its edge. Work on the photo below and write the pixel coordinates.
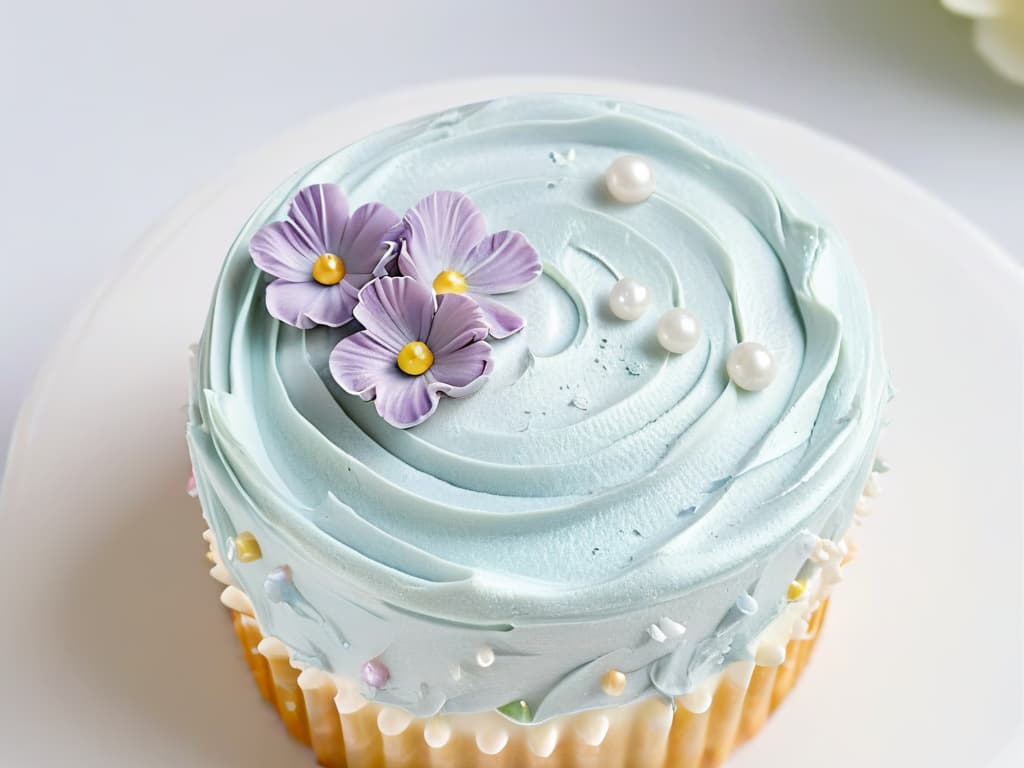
(517, 710)
(190, 486)
(559, 159)
(746, 604)
(656, 634)
(375, 674)
(671, 628)
(247, 547)
(278, 584)
(580, 401)
(796, 590)
(881, 466)
(635, 367)
(613, 682)
(485, 657)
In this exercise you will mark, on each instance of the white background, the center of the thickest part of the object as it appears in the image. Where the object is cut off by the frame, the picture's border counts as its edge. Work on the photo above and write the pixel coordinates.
(110, 112)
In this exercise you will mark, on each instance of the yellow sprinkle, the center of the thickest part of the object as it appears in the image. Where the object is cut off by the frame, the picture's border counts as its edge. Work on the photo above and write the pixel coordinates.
(247, 547)
(450, 281)
(613, 682)
(209, 556)
(796, 590)
(328, 269)
(415, 358)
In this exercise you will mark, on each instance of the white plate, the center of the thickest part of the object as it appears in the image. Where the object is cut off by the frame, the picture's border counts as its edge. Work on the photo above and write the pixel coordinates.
(115, 651)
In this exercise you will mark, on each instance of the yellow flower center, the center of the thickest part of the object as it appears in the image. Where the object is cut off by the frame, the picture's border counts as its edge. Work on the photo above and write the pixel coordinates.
(328, 269)
(415, 358)
(450, 281)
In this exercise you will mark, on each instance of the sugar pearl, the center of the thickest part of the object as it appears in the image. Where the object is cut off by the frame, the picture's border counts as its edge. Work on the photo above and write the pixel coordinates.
(678, 331)
(630, 179)
(613, 682)
(751, 366)
(746, 604)
(629, 299)
(247, 547)
(375, 673)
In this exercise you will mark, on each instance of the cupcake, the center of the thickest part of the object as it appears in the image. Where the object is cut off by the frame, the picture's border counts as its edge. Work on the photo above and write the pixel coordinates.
(530, 434)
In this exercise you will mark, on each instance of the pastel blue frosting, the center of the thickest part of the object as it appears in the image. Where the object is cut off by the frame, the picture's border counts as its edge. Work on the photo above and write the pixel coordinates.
(597, 484)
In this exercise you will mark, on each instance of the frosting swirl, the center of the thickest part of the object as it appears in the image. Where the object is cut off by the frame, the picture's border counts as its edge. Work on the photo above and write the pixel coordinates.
(597, 485)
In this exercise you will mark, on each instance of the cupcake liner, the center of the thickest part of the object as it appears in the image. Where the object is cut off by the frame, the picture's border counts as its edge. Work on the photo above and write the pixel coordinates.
(345, 730)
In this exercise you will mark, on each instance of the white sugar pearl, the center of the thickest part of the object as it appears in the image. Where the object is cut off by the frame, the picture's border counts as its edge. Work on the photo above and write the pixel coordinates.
(678, 331)
(629, 299)
(751, 366)
(630, 179)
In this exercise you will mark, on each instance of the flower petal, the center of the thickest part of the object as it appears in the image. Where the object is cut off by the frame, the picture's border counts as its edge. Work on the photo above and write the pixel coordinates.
(277, 249)
(362, 245)
(457, 322)
(360, 363)
(316, 218)
(501, 320)
(406, 402)
(334, 304)
(396, 310)
(319, 213)
(463, 371)
(363, 366)
(441, 229)
(288, 301)
(502, 262)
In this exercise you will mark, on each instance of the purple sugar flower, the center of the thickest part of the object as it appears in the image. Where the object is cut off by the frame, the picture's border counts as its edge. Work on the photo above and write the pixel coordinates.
(322, 256)
(447, 247)
(415, 348)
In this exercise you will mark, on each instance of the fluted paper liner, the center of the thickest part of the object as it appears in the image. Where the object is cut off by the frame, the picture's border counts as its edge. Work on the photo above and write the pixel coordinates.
(646, 734)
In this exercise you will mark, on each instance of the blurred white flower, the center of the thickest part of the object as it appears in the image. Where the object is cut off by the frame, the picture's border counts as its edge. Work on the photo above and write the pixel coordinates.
(998, 32)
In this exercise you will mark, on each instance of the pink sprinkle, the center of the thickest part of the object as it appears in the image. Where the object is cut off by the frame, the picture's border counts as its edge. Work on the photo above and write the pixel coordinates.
(190, 487)
(375, 674)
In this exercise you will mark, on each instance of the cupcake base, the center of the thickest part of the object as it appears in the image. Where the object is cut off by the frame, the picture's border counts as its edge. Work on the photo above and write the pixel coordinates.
(346, 731)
